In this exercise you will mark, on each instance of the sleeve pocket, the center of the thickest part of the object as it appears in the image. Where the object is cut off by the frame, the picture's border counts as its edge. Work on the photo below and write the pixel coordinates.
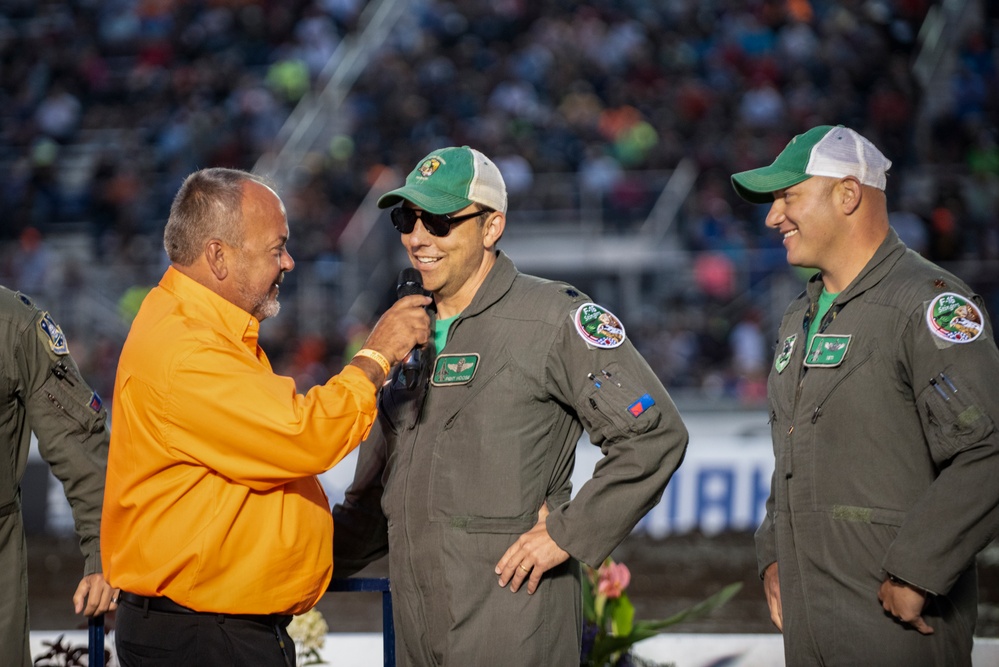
(72, 398)
(952, 420)
(610, 404)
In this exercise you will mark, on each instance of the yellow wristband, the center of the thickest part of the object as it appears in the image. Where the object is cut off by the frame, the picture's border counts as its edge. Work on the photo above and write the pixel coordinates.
(376, 357)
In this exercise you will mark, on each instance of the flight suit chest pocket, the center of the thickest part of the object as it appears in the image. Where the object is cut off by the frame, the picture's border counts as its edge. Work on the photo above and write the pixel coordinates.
(858, 370)
(489, 441)
(616, 406)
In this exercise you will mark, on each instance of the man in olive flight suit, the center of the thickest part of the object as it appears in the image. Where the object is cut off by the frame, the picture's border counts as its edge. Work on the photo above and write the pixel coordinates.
(42, 391)
(476, 455)
(883, 413)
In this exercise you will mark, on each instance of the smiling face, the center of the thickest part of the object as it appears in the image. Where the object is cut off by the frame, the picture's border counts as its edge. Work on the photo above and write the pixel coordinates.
(804, 214)
(454, 266)
(258, 266)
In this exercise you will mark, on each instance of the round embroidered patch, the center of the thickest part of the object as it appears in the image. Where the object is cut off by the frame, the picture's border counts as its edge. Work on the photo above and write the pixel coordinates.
(954, 318)
(598, 326)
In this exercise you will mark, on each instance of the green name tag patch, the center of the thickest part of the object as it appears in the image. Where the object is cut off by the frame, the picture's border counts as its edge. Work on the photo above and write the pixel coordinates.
(454, 369)
(827, 351)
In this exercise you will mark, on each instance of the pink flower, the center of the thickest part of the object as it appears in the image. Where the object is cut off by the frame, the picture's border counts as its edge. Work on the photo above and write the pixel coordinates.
(614, 578)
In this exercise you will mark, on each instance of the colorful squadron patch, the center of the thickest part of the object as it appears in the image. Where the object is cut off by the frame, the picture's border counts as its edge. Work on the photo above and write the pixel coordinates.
(454, 369)
(954, 318)
(53, 335)
(598, 326)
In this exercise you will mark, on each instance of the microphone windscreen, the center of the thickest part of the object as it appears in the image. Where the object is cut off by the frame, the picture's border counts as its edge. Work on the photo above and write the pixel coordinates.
(410, 283)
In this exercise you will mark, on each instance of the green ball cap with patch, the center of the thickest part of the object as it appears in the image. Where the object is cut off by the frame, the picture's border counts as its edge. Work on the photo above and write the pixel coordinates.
(450, 179)
(826, 150)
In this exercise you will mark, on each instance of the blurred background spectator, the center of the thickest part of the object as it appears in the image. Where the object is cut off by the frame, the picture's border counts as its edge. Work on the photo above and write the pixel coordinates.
(616, 124)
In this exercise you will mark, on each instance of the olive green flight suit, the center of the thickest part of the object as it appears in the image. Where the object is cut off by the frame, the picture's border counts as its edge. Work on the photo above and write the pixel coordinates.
(456, 470)
(887, 461)
(41, 390)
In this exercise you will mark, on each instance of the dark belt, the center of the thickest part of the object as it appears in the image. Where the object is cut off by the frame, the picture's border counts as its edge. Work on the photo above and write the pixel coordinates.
(167, 606)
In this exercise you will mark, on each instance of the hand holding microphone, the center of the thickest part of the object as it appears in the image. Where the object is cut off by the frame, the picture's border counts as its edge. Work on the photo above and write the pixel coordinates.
(403, 328)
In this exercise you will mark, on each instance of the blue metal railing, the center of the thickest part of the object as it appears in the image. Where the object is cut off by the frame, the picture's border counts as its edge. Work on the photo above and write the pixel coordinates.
(95, 643)
(371, 585)
(95, 625)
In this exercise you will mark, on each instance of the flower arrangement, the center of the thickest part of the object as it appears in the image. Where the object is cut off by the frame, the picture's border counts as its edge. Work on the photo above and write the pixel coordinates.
(309, 632)
(610, 628)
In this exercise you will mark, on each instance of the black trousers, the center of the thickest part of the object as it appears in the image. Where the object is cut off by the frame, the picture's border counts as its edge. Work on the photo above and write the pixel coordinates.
(147, 638)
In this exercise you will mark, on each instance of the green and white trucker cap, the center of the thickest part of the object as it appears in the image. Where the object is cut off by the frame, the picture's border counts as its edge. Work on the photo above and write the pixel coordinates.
(822, 151)
(450, 179)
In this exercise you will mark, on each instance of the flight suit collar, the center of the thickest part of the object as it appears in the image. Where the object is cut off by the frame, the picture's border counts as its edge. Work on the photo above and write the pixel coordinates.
(888, 253)
(494, 287)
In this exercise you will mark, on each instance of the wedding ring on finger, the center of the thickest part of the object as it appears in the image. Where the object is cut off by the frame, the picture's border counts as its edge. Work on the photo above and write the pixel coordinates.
(525, 569)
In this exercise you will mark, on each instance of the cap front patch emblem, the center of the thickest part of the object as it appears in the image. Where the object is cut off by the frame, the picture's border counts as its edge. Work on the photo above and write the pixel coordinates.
(598, 326)
(429, 166)
(954, 318)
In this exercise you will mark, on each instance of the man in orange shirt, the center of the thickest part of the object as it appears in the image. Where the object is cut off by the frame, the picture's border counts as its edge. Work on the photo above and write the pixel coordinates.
(215, 527)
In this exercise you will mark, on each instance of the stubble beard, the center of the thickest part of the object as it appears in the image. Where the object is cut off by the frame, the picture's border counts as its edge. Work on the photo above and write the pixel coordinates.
(264, 306)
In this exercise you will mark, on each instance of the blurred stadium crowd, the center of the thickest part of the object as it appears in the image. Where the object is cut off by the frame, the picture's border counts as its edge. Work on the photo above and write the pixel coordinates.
(106, 105)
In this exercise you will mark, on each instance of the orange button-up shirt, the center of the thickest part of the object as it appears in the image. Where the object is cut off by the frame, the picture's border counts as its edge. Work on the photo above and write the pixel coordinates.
(212, 497)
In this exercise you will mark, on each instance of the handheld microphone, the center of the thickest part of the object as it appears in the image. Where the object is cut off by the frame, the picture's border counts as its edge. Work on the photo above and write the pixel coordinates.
(410, 283)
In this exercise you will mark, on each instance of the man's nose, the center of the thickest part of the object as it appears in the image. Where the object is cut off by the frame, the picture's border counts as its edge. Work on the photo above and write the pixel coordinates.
(419, 236)
(776, 214)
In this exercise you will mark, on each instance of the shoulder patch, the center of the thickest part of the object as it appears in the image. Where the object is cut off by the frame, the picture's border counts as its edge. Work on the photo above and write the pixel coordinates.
(50, 332)
(954, 318)
(598, 326)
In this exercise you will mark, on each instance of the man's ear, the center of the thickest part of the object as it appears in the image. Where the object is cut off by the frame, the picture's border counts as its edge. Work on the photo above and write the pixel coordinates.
(850, 193)
(215, 256)
(493, 229)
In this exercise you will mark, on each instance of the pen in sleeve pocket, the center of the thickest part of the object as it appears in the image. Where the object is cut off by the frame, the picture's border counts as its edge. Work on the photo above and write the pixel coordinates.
(939, 389)
(948, 383)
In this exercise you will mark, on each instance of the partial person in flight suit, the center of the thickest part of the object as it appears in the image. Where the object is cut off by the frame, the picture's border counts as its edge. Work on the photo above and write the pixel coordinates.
(42, 391)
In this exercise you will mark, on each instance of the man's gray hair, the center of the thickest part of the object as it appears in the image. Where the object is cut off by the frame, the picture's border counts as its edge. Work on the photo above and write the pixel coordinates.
(207, 206)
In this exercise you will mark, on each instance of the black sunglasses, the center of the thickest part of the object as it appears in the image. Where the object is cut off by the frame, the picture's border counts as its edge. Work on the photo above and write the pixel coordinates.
(437, 224)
